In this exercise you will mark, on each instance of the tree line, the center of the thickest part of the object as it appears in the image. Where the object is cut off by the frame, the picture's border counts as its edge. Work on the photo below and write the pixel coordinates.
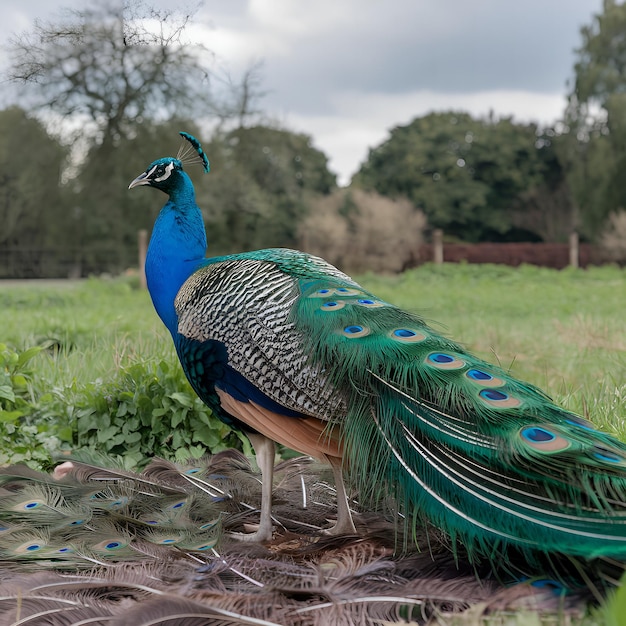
(106, 95)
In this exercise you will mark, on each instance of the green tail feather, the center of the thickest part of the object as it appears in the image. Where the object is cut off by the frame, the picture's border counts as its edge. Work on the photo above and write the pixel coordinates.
(459, 442)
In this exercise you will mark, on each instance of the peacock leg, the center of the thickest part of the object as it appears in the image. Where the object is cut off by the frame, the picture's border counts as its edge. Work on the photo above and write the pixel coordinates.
(265, 450)
(344, 525)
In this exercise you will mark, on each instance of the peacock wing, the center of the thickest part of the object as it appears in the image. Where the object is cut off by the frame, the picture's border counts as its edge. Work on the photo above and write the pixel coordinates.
(237, 330)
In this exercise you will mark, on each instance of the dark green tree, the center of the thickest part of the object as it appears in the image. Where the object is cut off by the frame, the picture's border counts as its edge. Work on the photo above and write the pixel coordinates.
(109, 216)
(467, 175)
(548, 210)
(596, 119)
(35, 215)
(258, 190)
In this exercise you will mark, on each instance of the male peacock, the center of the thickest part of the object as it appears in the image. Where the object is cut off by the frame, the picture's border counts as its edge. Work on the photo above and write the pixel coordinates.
(289, 349)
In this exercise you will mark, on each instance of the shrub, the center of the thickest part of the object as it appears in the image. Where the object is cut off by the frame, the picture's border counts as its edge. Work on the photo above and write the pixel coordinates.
(147, 409)
(360, 231)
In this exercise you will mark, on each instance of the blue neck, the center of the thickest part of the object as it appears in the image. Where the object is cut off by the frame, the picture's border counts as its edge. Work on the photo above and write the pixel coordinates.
(176, 250)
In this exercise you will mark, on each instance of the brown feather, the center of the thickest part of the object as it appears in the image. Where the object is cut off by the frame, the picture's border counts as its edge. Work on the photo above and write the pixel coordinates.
(305, 434)
(300, 578)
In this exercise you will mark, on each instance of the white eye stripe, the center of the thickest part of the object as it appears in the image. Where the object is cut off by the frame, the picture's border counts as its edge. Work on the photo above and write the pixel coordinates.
(169, 168)
(148, 174)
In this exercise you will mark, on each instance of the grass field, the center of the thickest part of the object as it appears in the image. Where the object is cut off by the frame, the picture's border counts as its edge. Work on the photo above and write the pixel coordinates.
(564, 331)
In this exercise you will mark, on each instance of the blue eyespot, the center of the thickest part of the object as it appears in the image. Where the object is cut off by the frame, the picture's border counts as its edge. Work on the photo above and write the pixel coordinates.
(365, 301)
(33, 547)
(547, 583)
(580, 423)
(330, 305)
(353, 329)
(493, 395)
(404, 333)
(438, 357)
(607, 455)
(118, 504)
(193, 470)
(537, 435)
(32, 505)
(442, 361)
(112, 545)
(478, 375)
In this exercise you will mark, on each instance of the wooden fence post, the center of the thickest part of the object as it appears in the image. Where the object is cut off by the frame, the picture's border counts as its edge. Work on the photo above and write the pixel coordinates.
(438, 246)
(574, 249)
(142, 245)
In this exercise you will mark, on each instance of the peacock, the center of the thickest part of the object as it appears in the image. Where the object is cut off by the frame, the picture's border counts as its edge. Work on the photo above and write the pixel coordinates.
(289, 349)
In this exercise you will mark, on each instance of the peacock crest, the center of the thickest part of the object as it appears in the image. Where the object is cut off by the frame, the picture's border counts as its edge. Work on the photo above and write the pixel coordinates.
(192, 154)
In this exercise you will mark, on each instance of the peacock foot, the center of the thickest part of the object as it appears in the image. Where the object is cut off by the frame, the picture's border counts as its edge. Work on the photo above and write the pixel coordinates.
(261, 535)
(342, 527)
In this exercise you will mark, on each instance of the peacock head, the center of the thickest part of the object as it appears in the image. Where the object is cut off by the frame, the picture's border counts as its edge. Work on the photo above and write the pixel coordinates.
(167, 173)
(163, 174)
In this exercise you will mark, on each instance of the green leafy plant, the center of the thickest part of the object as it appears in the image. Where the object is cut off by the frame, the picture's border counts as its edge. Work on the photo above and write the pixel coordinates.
(26, 439)
(148, 410)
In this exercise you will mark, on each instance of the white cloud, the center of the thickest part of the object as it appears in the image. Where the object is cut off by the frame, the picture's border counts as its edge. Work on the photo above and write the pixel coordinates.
(237, 47)
(293, 18)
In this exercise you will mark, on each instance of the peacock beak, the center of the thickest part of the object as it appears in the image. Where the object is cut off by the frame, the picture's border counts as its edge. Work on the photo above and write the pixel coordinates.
(142, 179)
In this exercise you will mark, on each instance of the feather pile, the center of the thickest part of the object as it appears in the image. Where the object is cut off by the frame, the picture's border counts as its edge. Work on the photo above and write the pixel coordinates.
(199, 576)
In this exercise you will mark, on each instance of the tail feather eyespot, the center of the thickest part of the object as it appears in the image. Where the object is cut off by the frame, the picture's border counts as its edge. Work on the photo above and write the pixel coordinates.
(499, 399)
(482, 378)
(407, 335)
(543, 439)
(354, 331)
(333, 305)
(443, 361)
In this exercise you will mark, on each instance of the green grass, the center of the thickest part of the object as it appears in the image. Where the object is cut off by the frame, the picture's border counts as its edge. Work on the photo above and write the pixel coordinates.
(562, 330)
(90, 328)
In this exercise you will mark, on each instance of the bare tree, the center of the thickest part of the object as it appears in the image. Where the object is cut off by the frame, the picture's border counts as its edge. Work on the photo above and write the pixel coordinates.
(360, 230)
(236, 103)
(115, 63)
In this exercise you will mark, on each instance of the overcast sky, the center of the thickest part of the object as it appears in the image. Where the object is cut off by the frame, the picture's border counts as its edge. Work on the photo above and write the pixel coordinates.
(347, 71)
